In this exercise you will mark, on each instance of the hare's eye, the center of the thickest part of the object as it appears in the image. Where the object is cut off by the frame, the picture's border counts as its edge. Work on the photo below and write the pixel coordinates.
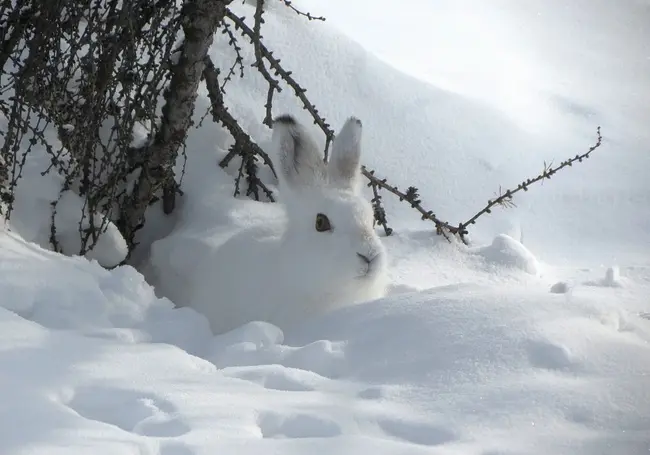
(323, 223)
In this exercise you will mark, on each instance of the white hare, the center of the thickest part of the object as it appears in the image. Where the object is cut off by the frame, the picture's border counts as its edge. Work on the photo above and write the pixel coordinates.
(325, 254)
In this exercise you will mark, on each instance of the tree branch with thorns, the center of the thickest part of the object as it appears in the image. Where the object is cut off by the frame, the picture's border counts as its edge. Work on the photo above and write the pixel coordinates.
(264, 56)
(132, 66)
(504, 199)
(285, 75)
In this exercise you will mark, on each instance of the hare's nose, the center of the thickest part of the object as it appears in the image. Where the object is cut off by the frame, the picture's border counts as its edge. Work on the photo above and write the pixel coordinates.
(365, 258)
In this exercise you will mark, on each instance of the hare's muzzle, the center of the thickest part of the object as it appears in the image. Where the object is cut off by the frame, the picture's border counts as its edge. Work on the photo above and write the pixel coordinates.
(369, 262)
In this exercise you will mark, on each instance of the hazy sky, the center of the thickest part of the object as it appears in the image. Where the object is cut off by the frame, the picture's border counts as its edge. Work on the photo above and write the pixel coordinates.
(516, 54)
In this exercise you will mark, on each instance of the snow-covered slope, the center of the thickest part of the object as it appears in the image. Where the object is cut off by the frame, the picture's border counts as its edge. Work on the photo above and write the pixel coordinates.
(518, 99)
(499, 348)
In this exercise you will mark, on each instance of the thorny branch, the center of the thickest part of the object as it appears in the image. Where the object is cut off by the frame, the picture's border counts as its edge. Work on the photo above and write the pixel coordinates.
(88, 72)
(411, 196)
(308, 15)
(129, 57)
(286, 76)
(259, 63)
(378, 209)
(239, 59)
(244, 145)
(199, 20)
(504, 199)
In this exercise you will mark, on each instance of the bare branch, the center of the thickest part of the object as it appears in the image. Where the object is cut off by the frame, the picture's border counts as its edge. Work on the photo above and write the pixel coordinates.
(239, 59)
(378, 209)
(259, 63)
(96, 72)
(411, 197)
(200, 19)
(244, 145)
(308, 15)
(506, 198)
(286, 76)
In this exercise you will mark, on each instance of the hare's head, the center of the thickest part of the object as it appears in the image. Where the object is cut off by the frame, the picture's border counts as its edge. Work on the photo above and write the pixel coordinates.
(328, 219)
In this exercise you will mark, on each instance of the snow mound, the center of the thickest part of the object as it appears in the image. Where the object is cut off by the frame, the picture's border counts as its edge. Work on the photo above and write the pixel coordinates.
(93, 360)
(69, 293)
(612, 279)
(508, 252)
(33, 215)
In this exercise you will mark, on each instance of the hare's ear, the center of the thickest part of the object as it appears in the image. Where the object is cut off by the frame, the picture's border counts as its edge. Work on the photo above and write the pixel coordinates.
(300, 160)
(343, 168)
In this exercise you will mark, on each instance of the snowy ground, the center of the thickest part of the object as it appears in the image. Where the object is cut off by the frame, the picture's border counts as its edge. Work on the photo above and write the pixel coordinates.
(501, 348)
(93, 361)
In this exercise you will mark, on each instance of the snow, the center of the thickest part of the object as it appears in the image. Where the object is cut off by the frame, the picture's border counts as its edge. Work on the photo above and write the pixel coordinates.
(34, 213)
(92, 359)
(38, 188)
(535, 339)
(507, 251)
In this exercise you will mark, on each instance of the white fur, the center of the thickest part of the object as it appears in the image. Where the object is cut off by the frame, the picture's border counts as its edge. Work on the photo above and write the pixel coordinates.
(284, 273)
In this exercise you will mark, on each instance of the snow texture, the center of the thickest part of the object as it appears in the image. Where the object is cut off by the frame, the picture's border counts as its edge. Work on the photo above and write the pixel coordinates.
(532, 344)
(92, 359)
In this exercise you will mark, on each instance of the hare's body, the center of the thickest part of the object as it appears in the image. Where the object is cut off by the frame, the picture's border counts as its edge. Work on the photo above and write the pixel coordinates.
(323, 254)
(252, 288)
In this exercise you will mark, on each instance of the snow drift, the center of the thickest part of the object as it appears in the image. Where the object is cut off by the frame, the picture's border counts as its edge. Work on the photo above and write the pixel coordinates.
(474, 351)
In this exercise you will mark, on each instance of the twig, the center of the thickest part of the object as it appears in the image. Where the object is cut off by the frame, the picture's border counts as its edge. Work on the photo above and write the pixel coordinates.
(308, 15)
(286, 76)
(506, 198)
(259, 63)
(411, 196)
(378, 208)
(239, 59)
(243, 145)
(221, 114)
(240, 174)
